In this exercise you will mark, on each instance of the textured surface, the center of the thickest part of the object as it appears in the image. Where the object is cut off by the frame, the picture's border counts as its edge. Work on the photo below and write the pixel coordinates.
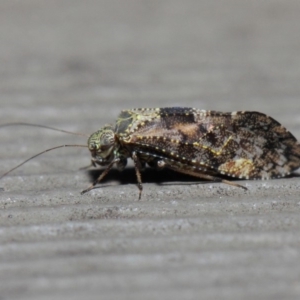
(74, 65)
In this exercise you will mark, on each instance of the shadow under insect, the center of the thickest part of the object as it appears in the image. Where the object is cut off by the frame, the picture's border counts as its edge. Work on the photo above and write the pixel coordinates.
(149, 175)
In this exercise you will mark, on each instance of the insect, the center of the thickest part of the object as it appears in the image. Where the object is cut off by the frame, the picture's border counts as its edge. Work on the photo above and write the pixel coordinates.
(204, 144)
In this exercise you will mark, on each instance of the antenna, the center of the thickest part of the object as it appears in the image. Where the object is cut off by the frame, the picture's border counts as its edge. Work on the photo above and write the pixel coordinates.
(38, 154)
(42, 126)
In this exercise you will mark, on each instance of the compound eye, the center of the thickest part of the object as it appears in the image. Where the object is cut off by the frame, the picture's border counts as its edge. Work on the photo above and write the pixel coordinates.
(92, 146)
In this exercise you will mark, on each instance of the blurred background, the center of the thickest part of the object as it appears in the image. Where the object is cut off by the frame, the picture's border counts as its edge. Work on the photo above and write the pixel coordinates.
(74, 65)
(71, 59)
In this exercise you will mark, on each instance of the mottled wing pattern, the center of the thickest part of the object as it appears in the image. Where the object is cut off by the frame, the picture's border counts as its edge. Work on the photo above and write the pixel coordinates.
(247, 145)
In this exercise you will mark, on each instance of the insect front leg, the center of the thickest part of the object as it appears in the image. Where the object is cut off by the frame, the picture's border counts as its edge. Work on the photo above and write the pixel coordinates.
(138, 167)
(103, 174)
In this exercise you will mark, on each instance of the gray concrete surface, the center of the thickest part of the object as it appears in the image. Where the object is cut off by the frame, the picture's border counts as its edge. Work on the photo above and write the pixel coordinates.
(74, 65)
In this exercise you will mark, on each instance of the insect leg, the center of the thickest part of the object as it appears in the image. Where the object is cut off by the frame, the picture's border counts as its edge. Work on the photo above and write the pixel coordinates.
(161, 164)
(121, 164)
(103, 174)
(218, 179)
(204, 176)
(138, 167)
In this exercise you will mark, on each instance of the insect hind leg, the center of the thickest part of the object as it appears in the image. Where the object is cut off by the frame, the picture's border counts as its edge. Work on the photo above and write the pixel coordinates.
(202, 175)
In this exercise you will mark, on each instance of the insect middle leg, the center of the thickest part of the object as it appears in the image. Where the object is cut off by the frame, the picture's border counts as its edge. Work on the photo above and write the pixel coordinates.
(138, 167)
